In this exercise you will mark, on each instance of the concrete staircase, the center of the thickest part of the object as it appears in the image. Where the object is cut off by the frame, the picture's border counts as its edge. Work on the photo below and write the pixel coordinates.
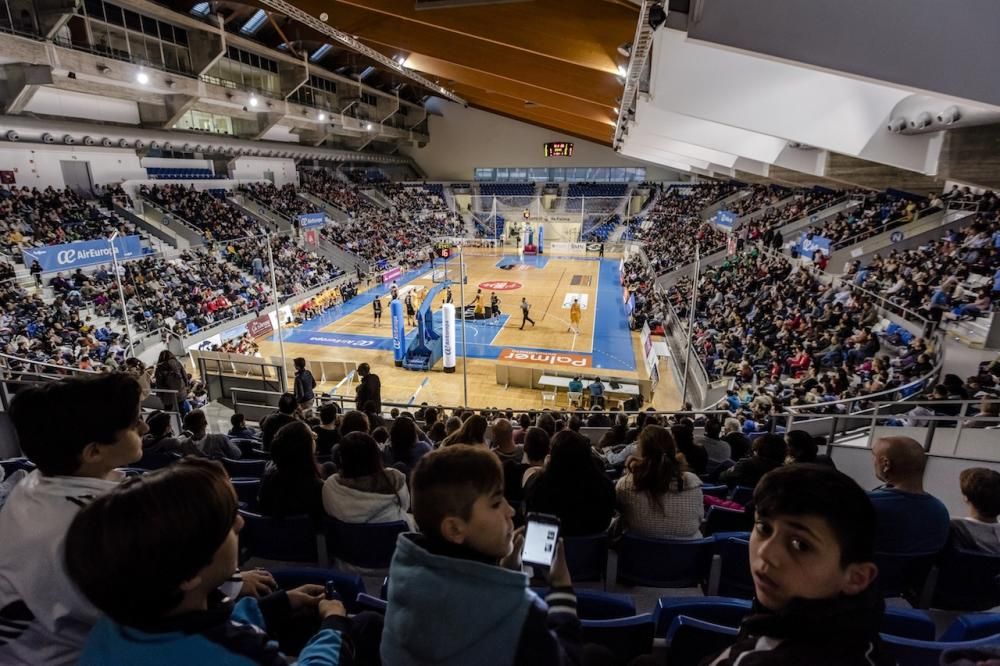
(331, 211)
(271, 220)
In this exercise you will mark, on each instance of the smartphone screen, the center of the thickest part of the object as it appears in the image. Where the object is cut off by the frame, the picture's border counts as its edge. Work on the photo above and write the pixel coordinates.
(540, 539)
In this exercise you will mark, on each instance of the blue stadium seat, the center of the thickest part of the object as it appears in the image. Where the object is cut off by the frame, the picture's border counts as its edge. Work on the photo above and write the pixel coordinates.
(902, 574)
(910, 652)
(692, 640)
(663, 562)
(719, 490)
(733, 565)
(719, 519)
(972, 626)
(367, 602)
(347, 585)
(626, 638)
(587, 557)
(724, 611)
(908, 623)
(151, 461)
(288, 539)
(364, 545)
(597, 605)
(247, 446)
(247, 491)
(11, 465)
(967, 580)
(246, 469)
(742, 495)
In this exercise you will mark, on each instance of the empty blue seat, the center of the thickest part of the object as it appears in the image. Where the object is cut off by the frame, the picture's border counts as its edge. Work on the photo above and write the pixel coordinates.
(365, 545)
(967, 580)
(247, 446)
(733, 578)
(244, 468)
(903, 574)
(347, 585)
(908, 623)
(720, 490)
(742, 495)
(692, 640)
(724, 611)
(587, 557)
(288, 539)
(972, 626)
(663, 562)
(719, 519)
(626, 638)
(247, 491)
(910, 652)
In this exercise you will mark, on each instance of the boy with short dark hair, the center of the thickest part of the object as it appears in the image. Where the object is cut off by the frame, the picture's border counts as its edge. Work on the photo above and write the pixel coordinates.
(77, 431)
(811, 555)
(467, 552)
(240, 429)
(152, 554)
(980, 529)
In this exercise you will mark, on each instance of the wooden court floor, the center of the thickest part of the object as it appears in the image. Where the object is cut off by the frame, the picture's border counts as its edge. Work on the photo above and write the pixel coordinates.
(546, 289)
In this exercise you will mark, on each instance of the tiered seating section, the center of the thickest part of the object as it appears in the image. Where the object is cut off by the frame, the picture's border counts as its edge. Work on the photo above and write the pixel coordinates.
(512, 194)
(792, 337)
(416, 199)
(284, 200)
(392, 235)
(33, 217)
(594, 197)
(601, 227)
(172, 173)
(204, 210)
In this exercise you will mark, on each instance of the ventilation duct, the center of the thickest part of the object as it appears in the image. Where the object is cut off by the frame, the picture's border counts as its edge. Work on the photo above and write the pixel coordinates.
(123, 143)
(69, 140)
(168, 146)
(48, 138)
(12, 135)
(154, 145)
(106, 142)
(89, 141)
(139, 145)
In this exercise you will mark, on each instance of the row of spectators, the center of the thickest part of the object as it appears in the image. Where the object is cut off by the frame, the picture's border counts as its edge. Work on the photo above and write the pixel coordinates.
(955, 276)
(773, 325)
(397, 237)
(876, 214)
(208, 212)
(33, 217)
(675, 225)
(284, 200)
(415, 199)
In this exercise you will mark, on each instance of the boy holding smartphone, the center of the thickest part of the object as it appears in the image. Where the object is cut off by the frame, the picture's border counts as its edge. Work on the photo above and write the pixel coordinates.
(456, 591)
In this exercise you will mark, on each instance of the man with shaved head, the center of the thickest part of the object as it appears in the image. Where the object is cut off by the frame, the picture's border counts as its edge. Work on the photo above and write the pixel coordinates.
(909, 519)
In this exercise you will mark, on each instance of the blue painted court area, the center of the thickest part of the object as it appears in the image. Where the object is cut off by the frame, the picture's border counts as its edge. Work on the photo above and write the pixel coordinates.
(536, 261)
(612, 338)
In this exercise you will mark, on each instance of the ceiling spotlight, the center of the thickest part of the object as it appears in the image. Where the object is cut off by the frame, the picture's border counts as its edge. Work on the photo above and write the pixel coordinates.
(622, 70)
(657, 16)
(615, 110)
(253, 100)
(142, 77)
(324, 17)
(621, 80)
(322, 117)
(369, 127)
(626, 49)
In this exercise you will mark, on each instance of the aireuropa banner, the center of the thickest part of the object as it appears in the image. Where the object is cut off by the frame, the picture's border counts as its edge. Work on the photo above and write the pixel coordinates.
(724, 219)
(809, 246)
(310, 220)
(83, 253)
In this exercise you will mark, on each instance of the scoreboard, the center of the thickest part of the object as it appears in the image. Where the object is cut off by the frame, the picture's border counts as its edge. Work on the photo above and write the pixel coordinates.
(559, 149)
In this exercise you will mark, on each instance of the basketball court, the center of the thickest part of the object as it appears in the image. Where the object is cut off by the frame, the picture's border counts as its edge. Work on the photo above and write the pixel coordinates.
(604, 346)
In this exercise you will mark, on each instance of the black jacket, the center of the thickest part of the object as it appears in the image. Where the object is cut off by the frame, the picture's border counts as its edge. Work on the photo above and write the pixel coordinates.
(818, 632)
(370, 388)
(747, 472)
(584, 506)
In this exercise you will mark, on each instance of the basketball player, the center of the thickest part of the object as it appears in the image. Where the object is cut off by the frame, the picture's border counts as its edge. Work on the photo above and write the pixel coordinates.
(448, 297)
(574, 316)
(494, 304)
(411, 313)
(377, 311)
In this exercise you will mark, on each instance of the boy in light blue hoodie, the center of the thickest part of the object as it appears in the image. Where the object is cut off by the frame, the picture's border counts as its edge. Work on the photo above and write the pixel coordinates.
(456, 592)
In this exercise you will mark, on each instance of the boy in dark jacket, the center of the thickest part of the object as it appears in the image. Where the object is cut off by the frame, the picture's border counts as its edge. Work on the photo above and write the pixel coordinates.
(811, 555)
(456, 592)
(151, 555)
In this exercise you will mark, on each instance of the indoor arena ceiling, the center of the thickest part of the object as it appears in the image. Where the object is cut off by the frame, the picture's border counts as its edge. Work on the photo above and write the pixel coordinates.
(552, 63)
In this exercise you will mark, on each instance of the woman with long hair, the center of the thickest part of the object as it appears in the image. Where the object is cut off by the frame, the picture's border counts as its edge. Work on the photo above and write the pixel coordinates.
(405, 446)
(473, 431)
(171, 376)
(573, 487)
(292, 485)
(364, 491)
(658, 498)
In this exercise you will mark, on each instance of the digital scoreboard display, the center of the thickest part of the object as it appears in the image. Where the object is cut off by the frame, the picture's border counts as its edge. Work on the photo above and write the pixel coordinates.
(559, 149)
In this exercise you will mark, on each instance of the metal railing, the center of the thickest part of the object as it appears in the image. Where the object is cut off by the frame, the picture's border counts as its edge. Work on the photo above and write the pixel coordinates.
(889, 225)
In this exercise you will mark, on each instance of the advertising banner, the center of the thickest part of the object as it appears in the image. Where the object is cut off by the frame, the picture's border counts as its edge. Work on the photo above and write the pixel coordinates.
(260, 327)
(808, 247)
(391, 275)
(448, 336)
(83, 253)
(724, 219)
(311, 220)
(398, 332)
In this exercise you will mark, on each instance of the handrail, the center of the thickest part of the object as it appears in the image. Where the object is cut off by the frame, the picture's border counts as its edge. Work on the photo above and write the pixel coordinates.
(867, 397)
(890, 224)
